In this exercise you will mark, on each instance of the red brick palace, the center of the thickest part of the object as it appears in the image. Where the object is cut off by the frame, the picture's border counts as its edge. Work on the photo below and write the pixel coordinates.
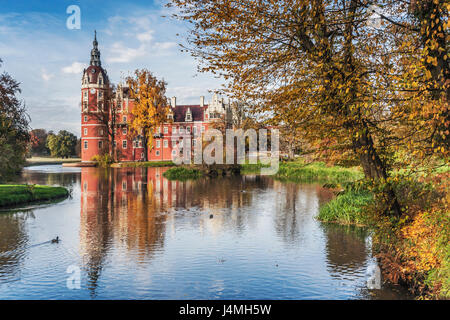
(185, 119)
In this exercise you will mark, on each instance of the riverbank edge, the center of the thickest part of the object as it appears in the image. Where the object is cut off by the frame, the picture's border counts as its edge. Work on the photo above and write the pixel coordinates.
(12, 195)
(139, 164)
(40, 161)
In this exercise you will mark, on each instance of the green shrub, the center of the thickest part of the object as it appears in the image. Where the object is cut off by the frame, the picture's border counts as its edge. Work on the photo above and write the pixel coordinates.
(102, 160)
(182, 173)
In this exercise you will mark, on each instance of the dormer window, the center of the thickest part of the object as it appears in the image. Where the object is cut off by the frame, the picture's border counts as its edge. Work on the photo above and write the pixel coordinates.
(188, 115)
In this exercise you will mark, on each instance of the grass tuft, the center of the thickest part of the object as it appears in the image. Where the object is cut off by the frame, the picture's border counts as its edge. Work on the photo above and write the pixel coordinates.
(182, 173)
(347, 208)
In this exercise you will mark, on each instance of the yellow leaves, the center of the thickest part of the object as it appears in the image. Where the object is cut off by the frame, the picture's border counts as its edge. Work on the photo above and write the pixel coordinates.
(150, 105)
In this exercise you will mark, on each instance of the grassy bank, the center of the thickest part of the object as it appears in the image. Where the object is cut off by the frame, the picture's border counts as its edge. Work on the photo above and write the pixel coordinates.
(347, 208)
(182, 173)
(299, 171)
(19, 194)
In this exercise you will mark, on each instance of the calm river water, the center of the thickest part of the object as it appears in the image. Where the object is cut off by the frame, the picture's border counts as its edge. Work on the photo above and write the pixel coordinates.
(132, 234)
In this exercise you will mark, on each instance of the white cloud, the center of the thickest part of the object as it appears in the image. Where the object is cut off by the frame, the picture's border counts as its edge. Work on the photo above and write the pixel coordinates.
(45, 75)
(76, 67)
(145, 36)
(123, 54)
(165, 45)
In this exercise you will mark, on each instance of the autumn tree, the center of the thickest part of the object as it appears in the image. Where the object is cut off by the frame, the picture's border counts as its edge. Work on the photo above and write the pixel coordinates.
(150, 106)
(38, 139)
(323, 62)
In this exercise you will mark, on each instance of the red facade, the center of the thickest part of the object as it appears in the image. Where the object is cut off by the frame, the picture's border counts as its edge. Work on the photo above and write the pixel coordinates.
(96, 115)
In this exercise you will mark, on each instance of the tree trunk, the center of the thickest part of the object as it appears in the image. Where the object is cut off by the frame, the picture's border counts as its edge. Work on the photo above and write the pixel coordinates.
(374, 168)
(145, 146)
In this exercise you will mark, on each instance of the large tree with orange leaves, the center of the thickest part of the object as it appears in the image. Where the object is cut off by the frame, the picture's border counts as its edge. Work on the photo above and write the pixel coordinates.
(355, 85)
(150, 107)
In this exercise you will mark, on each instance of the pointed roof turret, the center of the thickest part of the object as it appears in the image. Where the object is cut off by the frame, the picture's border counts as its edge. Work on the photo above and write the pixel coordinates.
(95, 53)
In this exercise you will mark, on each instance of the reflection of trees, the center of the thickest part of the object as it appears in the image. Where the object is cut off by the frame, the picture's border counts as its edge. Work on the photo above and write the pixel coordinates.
(65, 179)
(13, 240)
(221, 197)
(345, 248)
(296, 205)
(129, 207)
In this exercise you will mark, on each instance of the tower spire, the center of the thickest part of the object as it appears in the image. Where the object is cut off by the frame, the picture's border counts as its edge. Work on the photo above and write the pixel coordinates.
(95, 53)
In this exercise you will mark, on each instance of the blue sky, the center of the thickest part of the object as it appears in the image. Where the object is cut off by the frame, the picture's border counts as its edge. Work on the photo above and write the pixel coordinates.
(47, 58)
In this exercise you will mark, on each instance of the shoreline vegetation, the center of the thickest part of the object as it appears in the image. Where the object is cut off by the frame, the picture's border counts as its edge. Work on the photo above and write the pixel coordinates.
(11, 195)
(182, 173)
(414, 249)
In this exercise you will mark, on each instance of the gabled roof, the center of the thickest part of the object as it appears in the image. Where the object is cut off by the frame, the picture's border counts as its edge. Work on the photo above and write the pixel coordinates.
(179, 112)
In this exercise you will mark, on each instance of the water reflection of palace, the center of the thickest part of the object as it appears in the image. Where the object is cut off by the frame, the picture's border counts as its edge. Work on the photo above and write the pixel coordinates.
(136, 209)
(134, 206)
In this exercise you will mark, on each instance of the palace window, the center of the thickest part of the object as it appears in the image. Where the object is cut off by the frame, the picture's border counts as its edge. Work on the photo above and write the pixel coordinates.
(124, 118)
(85, 144)
(194, 142)
(174, 130)
(166, 143)
(85, 106)
(194, 129)
(115, 144)
(124, 131)
(85, 131)
(181, 129)
(101, 132)
(203, 128)
(166, 130)
(142, 155)
(124, 144)
(85, 119)
(100, 144)
(157, 152)
(158, 143)
(188, 129)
